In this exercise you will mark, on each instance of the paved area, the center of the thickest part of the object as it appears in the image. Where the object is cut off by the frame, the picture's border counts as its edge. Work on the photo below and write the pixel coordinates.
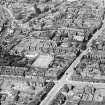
(66, 77)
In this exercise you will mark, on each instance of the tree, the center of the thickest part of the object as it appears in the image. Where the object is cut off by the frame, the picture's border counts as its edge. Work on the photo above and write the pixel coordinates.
(61, 98)
(66, 88)
(93, 44)
(82, 66)
(16, 97)
(38, 11)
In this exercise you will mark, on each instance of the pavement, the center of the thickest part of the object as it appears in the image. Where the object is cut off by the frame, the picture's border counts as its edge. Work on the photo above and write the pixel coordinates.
(81, 83)
(67, 76)
(61, 82)
(98, 33)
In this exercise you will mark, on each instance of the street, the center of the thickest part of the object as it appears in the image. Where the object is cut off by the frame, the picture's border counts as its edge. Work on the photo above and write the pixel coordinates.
(67, 78)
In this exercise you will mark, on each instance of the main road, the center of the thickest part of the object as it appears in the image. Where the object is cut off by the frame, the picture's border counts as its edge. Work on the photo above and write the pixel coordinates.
(67, 76)
(69, 71)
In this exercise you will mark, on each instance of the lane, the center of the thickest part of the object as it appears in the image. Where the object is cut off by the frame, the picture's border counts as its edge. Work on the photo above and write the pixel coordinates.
(80, 83)
(63, 80)
(98, 33)
(67, 76)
